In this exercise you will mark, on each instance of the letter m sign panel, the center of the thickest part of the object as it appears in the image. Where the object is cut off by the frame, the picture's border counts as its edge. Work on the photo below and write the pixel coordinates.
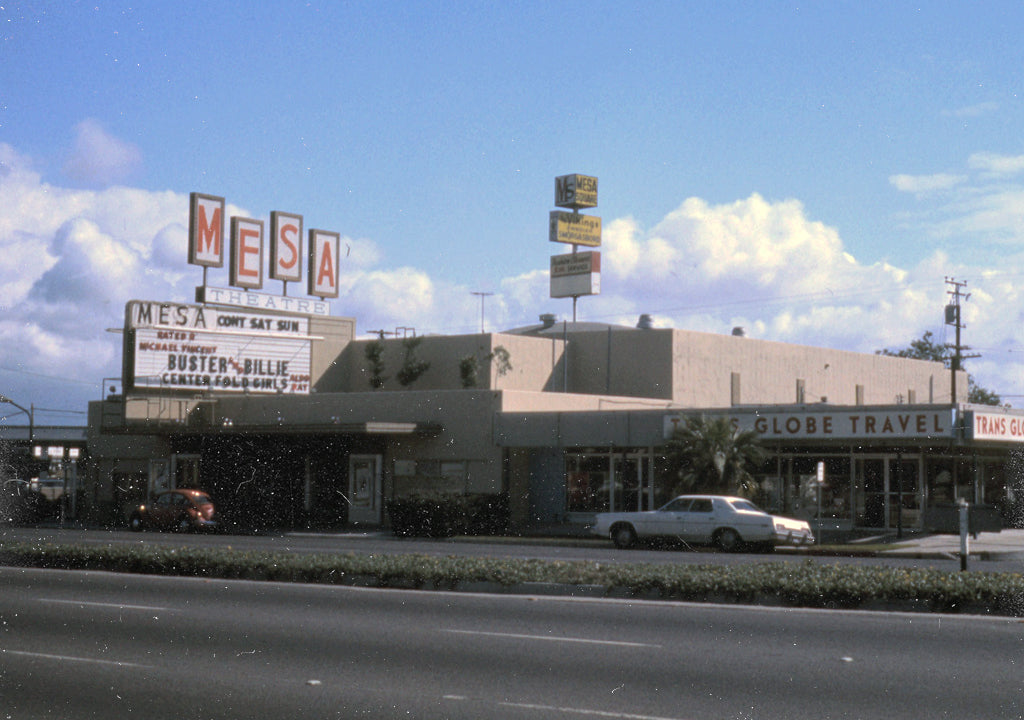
(206, 230)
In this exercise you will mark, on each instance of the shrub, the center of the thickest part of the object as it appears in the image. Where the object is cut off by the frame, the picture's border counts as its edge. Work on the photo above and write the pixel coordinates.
(449, 514)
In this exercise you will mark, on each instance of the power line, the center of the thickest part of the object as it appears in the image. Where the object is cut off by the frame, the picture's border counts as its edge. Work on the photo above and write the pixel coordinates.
(59, 378)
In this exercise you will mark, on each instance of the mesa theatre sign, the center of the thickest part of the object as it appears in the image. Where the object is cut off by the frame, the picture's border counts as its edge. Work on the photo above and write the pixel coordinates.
(248, 242)
(195, 347)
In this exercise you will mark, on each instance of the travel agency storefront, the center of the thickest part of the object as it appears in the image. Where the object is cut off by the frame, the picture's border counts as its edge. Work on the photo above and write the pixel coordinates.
(882, 467)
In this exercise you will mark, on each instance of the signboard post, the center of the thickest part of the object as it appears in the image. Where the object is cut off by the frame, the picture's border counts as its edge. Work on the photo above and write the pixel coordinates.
(575, 274)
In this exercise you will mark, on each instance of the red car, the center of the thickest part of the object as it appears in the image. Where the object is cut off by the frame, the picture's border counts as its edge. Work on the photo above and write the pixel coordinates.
(182, 510)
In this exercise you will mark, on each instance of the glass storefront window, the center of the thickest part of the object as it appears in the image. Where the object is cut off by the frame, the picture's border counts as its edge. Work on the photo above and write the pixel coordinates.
(587, 483)
(993, 478)
(940, 487)
(609, 481)
(835, 495)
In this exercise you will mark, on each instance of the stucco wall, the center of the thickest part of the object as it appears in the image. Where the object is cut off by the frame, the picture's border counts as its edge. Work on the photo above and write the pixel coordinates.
(536, 363)
(337, 333)
(687, 368)
(768, 373)
(622, 361)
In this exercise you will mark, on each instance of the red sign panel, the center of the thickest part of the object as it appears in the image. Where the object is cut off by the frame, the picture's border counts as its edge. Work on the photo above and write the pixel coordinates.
(323, 263)
(285, 246)
(246, 253)
(206, 230)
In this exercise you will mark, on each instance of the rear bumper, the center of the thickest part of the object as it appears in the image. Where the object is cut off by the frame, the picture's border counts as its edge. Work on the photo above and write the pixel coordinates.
(793, 537)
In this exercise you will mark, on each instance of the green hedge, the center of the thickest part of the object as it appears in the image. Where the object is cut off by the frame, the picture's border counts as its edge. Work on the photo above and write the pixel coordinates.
(803, 584)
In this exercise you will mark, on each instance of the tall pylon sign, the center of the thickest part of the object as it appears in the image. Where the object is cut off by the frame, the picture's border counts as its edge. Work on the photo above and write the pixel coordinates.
(577, 273)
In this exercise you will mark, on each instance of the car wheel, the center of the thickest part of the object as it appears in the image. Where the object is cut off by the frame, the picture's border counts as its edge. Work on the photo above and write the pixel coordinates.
(728, 540)
(624, 536)
(135, 523)
(184, 524)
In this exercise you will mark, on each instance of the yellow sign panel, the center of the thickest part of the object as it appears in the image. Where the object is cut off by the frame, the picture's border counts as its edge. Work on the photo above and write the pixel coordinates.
(575, 229)
(575, 191)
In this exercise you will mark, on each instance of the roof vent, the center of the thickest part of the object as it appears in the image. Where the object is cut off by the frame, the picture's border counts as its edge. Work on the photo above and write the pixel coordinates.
(645, 322)
(547, 320)
(739, 332)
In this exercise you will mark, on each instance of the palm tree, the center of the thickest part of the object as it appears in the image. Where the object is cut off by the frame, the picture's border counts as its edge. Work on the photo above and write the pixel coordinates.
(710, 455)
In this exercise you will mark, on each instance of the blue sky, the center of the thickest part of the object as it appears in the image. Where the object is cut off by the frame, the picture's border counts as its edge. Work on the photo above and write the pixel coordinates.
(809, 171)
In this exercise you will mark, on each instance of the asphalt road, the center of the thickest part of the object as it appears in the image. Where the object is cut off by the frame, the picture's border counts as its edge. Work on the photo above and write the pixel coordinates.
(79, 645)
(384, 543)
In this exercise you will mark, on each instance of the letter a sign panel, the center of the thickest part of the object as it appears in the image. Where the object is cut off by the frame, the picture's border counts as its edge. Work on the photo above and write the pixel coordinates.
(323, 263)
(206, 230)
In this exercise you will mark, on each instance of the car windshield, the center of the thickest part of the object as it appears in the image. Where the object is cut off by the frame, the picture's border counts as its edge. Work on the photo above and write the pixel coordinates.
(201, 499)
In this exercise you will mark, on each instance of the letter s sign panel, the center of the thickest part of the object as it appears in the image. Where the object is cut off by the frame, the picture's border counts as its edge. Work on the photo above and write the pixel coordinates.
(285, 246)
(206, 230)
(323, 263)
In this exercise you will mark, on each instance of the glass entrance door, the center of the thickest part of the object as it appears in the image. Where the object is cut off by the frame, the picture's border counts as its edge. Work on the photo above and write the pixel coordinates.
(633, 478)
(870, 483)
(904, 506)
(627, 483)
(364, 488)
(887, 492)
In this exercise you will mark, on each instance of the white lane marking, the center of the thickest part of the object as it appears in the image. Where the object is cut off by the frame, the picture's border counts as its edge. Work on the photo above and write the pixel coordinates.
(585, 711)
(549, 638)
(71, 658)
(116, 606)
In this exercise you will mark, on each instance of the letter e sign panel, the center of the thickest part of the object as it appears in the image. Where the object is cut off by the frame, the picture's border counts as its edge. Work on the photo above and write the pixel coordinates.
(206, 230)
(323, 263)
(285, 246)
(246, 253)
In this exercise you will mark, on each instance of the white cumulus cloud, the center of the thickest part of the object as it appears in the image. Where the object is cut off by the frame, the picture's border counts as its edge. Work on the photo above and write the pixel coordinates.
(98, 158)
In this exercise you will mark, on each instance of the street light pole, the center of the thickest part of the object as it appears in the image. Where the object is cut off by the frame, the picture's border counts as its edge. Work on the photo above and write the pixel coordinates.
(30, 411)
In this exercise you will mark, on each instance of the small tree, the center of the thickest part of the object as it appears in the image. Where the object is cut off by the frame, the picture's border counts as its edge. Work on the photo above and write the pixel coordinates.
(469, 366)
(925, 348)
(375, 356)
(412, 368)
(711, 455)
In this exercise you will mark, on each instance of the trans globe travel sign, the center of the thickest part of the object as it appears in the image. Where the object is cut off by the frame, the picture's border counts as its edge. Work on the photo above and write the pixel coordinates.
(199, 348)
(860, 424)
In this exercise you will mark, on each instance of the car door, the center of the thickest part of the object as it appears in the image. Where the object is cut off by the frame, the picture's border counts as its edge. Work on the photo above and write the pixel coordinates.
(668, 520)
(700, 520)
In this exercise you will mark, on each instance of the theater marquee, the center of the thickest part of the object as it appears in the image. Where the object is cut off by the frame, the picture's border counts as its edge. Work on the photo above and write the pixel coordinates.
(174, 346)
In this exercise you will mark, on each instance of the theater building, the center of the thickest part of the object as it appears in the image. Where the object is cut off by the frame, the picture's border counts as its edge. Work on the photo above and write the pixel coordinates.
(272, 404)
(315, 428)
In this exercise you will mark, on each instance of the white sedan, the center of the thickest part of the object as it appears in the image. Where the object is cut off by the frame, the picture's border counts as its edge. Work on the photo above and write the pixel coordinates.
(720, 520)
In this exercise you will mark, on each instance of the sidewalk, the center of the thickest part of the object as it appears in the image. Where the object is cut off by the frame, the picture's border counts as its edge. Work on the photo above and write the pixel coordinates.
(1004, 545)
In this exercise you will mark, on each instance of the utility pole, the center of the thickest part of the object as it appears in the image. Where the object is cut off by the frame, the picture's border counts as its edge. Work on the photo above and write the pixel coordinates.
(953, 318)
(482, 296)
